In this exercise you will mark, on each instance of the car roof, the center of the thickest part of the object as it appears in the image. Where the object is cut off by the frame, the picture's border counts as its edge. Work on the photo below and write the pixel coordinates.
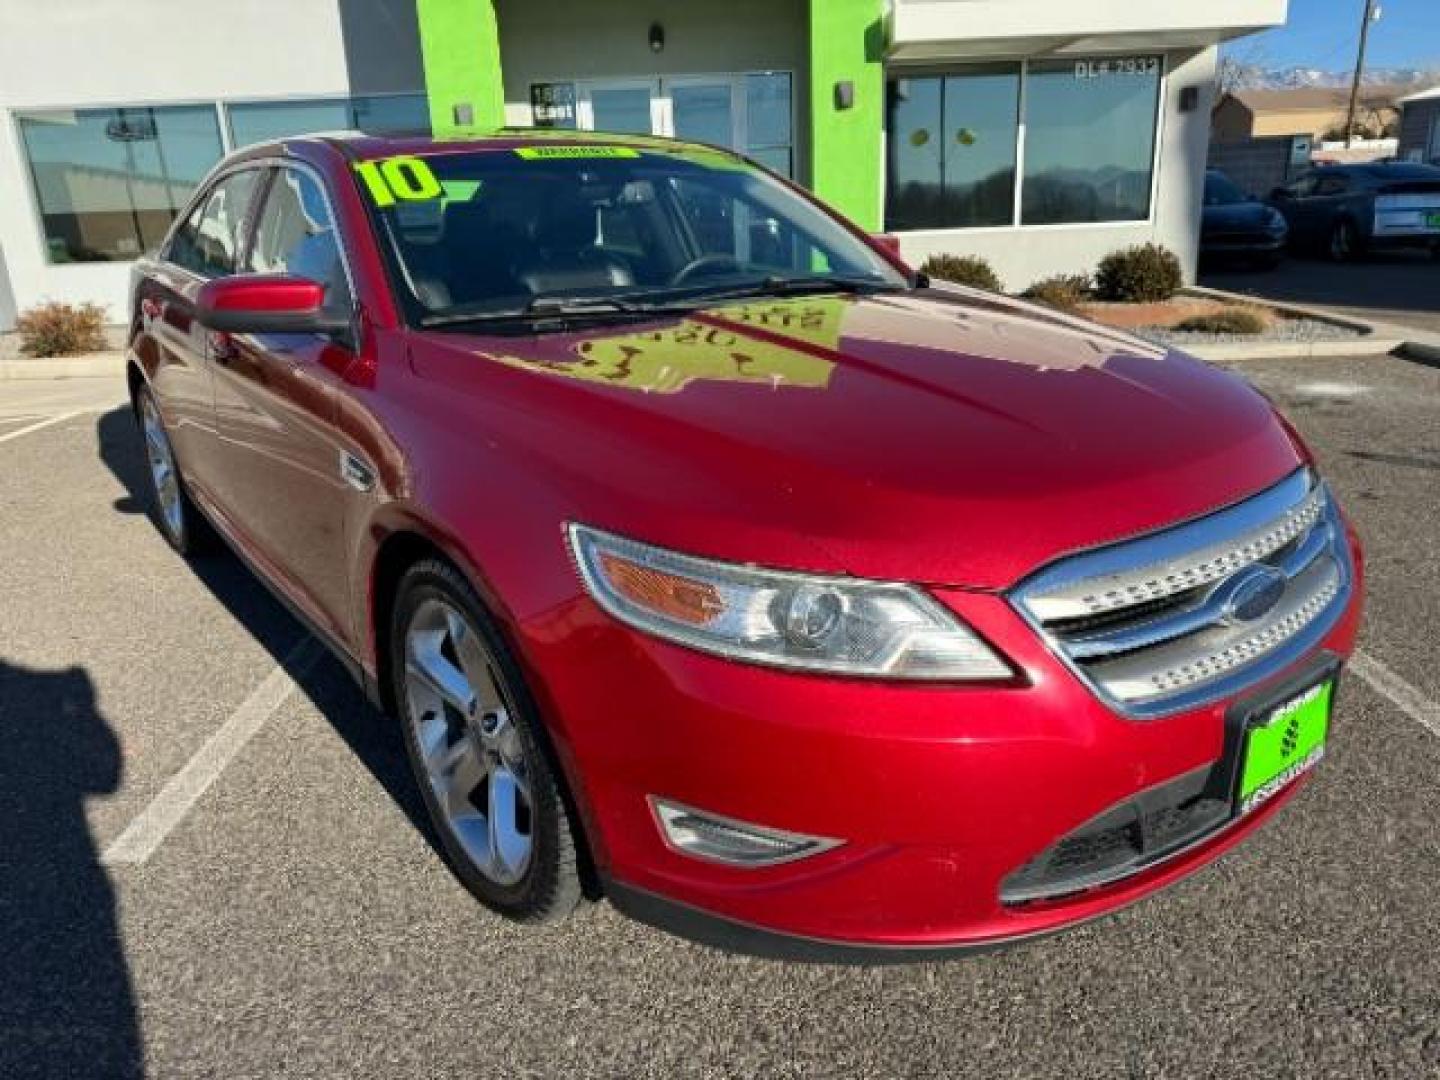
(362, 146)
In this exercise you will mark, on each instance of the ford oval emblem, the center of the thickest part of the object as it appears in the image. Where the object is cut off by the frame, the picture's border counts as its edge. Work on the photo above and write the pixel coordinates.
(1251, 594)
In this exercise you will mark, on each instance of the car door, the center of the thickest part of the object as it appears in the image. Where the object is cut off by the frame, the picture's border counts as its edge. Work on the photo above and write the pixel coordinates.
(1329, 203)
(1295, 201)
(206, 245)
(275, 403)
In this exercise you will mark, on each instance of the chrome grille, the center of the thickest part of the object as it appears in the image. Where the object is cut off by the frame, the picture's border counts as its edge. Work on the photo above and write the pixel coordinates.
(1152, 624)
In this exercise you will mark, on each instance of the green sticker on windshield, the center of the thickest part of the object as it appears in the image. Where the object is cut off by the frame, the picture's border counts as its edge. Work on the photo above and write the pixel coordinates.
(541, 153)
(399, 178)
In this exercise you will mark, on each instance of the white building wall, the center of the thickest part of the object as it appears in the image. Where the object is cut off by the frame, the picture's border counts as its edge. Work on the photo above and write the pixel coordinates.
(1023, 255)
(85, 53)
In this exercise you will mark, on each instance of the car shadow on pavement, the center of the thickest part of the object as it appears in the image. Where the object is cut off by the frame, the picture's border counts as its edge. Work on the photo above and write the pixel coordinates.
(370, 736)
(1386, 281)
(66, 1006)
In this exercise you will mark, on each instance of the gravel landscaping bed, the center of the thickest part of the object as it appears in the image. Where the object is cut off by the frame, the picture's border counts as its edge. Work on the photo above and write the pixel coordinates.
(1298, 331)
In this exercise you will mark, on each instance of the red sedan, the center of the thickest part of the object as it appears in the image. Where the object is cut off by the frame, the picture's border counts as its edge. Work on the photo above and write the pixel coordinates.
(713, 562)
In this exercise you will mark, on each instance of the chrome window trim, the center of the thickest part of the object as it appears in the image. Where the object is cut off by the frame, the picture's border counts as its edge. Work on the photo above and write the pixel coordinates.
(1231, 525)
(275, 163)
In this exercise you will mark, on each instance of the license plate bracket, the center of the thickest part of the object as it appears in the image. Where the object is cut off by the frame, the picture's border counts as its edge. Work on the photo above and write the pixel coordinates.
(1282, 740)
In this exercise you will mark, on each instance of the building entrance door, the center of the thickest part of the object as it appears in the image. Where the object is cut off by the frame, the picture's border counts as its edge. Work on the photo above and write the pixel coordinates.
(700, 107)
(628, 106)
(746, 111)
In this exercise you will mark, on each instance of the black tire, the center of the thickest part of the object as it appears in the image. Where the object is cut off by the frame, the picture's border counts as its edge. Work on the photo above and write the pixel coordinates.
(1344, 243)
(179, 521)
(1269, 261)
(551, 885)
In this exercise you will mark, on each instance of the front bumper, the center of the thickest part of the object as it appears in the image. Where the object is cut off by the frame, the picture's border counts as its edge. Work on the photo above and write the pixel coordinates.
(940, 794)
(1243, 244)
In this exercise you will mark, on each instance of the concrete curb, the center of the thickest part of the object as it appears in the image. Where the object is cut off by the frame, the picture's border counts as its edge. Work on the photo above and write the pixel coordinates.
(87, 366)
(1283, 306)
(1377, 338)
(1294, 350)
(1424, 352)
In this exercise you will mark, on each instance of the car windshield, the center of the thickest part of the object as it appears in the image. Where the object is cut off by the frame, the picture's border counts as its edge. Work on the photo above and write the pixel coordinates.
(549, 228)
(1220, 190)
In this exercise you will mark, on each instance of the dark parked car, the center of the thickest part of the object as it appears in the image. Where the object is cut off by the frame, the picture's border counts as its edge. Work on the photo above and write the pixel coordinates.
(1346, 210)
(1237, 226)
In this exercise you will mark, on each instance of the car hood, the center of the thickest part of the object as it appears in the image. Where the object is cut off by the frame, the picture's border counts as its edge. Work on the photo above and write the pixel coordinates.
(943, 436)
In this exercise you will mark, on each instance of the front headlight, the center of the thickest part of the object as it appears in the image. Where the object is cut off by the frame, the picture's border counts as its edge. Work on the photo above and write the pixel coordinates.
(1276, 221)
(842, 625)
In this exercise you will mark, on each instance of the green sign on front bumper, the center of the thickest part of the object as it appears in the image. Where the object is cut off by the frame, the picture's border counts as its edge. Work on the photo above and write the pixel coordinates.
(1285, 744)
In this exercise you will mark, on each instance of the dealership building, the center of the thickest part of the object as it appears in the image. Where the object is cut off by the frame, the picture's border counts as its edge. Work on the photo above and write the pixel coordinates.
(1041, 134)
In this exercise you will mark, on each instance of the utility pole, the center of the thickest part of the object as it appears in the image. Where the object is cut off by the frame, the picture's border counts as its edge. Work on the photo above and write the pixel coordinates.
(1372, 14)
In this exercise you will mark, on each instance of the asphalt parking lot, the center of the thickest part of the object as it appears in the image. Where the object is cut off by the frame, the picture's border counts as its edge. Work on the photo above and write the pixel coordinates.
(1398, 287)
(290, 918)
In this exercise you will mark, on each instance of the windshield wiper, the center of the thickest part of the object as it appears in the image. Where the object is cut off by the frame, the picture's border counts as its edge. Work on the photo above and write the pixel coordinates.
(801, 286)
(545, 307)
(559, 307)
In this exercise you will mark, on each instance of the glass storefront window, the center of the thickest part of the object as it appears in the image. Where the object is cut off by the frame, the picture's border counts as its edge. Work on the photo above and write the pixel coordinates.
(390, 114)
(110, 181)
(768, 112)
(1089, 129)
(702, 112)
(1090, 139)
(952, 149)
(386, 114)
(262, 121)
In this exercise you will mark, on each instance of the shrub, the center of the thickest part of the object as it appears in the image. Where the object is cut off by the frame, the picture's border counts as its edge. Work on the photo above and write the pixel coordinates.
(1143, 274)
(1064, 292)
(1234, 320)
(963, 270)
(56, 329)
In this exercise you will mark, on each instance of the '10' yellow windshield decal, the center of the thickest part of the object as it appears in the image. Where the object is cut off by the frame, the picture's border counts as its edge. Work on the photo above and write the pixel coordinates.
(399, 178)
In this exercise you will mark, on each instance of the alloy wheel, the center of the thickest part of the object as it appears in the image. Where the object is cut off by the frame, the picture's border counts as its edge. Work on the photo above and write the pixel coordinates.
(475, 763)
(161, 459)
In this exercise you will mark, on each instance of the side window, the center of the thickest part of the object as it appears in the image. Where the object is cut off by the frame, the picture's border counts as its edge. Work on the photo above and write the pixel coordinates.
(295, 235)
(210, 241)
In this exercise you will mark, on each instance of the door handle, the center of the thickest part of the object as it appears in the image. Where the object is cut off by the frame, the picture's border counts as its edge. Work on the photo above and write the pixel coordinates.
(355, 472)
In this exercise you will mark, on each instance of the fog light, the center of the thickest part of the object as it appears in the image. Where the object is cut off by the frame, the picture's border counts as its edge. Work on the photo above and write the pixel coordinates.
(735, 843)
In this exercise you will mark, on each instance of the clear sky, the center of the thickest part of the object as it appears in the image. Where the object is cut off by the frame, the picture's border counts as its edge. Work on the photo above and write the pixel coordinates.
(1323, 34)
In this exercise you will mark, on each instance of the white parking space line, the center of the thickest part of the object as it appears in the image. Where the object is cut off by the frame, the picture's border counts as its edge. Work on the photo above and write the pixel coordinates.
(1397, 691)
(48, 422)
(147, 832)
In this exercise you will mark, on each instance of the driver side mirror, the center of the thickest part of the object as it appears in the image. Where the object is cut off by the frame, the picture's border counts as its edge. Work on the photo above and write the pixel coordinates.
(266, 304)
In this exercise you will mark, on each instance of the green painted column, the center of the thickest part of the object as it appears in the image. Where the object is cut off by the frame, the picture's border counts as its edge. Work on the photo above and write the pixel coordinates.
(847, 44)
(460, 45)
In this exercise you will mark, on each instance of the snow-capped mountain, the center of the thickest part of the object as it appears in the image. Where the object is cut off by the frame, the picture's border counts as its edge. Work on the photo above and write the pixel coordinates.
(1253, 77)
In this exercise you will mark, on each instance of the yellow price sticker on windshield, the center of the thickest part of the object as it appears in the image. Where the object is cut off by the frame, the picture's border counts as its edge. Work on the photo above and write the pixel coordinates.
(399, 178)
(541, 153)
